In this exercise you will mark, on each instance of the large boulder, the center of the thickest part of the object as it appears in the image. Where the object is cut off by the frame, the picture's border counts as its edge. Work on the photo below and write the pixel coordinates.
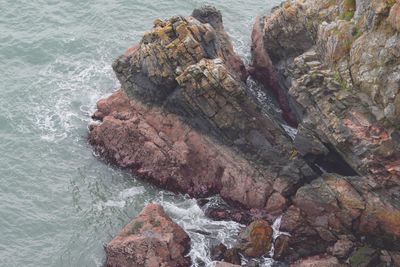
(152, 239)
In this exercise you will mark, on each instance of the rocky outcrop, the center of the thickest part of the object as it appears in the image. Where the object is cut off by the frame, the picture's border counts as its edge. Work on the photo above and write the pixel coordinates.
(318, 261)
(151, 239)
(185, 121)
(224, 264)
(338, 64)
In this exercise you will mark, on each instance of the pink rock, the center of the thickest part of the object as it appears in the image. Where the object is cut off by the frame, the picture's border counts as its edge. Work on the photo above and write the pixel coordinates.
(152, 239)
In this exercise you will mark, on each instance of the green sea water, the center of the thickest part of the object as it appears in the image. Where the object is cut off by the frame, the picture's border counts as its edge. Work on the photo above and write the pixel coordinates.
(59, 204)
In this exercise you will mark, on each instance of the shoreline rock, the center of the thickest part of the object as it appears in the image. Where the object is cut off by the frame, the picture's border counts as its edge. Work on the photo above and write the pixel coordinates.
(151, 239)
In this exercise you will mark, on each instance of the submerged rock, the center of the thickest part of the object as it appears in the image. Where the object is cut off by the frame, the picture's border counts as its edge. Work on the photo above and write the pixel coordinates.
(152, 239)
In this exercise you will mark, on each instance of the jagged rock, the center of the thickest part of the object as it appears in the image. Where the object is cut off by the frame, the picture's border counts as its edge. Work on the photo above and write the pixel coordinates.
(151, 239)
(183, 118)
(394, 16)
(281, 247)
(256, 239)
(342, 71)
(330, 206)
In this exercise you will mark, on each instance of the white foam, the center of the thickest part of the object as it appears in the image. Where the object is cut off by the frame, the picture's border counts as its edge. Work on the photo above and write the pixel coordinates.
(131, 192)
(204, 232)
(75, 86)
(292, 132)
(113, 203)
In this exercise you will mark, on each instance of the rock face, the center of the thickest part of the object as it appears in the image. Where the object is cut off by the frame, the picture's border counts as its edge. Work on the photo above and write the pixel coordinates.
(337, 69)
(185, 121)
(152, 239)
(337, 63)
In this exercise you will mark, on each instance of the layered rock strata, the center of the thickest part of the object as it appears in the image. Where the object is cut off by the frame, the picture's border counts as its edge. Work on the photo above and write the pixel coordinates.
(183, 119)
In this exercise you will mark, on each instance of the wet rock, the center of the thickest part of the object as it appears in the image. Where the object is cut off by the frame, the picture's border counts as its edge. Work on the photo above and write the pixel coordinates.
(256, 239)
(364, 257)
(263, 71)
(318, 261)
(232, 256)
(218, 252)
(151, 239)
(281, 247)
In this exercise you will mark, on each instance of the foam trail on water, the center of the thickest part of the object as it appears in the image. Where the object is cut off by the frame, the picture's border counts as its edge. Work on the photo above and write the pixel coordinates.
(122, 199)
